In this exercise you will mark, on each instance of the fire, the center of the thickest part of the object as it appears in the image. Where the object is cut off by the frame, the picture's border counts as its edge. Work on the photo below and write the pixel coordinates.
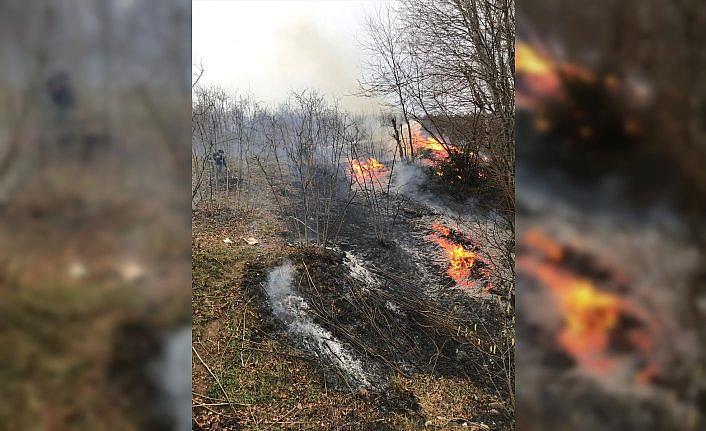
(542, 75)
(590, 317)
(431, 145)
(460, 258)
(463, 262)
(529, 60)
(374, 165)
(539, 241)
(370, 169)
(434, 145)
(443, 230)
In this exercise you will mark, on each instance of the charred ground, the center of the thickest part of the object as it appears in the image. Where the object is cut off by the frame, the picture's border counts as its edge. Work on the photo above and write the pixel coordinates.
(431, 353)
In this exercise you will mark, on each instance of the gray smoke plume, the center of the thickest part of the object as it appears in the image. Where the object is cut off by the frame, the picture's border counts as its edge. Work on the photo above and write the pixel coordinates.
(408, 178)
(293, 311)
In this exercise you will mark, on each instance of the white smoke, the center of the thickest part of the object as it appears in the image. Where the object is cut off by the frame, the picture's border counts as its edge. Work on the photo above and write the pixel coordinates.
(293, 311)
(408, 178)
(175, 379)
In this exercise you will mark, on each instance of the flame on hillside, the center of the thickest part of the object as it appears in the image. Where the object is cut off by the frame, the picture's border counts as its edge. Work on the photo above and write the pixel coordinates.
(433, 145)
(591, 317)
(464, 264)
(370, 170)
(428, 145)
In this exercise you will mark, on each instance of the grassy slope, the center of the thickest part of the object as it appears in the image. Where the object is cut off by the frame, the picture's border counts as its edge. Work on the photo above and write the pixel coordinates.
(75, 350)
(268, 383)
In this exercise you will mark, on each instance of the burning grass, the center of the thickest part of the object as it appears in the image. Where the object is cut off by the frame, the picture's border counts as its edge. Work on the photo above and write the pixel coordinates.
(368, 171)
(598, 325)
(465, 266)
(431, 150)
(268, 380)
(543, 76)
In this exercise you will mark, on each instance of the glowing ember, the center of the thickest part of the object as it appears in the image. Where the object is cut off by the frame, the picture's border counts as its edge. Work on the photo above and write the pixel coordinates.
(443, 230)
(372, 169)
(539, 241)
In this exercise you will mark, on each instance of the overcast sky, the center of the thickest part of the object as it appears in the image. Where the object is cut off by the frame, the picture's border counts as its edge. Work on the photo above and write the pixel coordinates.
(268, 48)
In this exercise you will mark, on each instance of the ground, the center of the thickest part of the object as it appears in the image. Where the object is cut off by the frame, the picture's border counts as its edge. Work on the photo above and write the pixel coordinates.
(248, 375)
(82, 313)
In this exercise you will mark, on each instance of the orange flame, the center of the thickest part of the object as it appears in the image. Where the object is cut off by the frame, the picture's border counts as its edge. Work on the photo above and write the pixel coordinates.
(529, 60)
(542, 75)
(590, 316)
(371, 169)
(440, 228)
(430, 144)
(434, 145)
(539, 241)
(461, 260)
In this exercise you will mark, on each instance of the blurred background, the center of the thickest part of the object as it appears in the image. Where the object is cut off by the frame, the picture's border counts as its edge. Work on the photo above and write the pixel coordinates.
(611, 294)
(94, 214)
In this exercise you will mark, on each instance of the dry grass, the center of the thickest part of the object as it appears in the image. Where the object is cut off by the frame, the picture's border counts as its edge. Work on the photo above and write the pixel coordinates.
(254, 379)
(76, 343)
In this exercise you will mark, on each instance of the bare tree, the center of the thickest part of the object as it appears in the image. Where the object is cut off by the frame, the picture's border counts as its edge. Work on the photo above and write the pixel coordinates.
(388, 71)
(373, 179)
(449, 66)
(308, 140)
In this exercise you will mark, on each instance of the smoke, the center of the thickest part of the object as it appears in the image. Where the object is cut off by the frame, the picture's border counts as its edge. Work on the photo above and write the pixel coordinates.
(358, 271)
(174, 382)
(408, 178)
(282, 47)
(312, 56)
(293, 311)
(411, 180)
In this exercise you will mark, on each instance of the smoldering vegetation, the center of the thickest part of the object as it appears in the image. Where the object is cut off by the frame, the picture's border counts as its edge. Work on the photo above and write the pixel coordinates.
(394, 245)
(301, 153)
(611, 219)
(293, 311)
(374, 285)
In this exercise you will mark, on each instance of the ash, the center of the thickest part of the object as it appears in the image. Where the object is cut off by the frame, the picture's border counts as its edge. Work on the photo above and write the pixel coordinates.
(293, 311)
(379, 302)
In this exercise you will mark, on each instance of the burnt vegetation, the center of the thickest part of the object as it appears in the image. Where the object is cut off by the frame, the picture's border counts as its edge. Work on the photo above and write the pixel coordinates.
(615, 136)
(384, 324)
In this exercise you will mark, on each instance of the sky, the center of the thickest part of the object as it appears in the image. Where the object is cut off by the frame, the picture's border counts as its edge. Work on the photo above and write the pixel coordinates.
(269, 48)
